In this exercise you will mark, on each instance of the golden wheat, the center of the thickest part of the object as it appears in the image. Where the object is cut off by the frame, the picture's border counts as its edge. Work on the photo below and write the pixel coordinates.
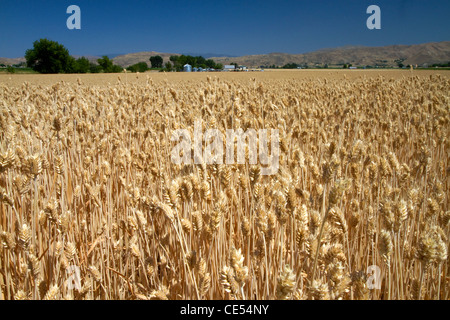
(87, 184)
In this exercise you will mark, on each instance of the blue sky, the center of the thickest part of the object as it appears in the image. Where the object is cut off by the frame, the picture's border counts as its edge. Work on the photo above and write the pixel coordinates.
(226, 27)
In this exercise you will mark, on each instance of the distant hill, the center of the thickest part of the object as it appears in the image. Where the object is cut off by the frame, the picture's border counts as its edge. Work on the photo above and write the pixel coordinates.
(427, 53)
(11, 61)
(132, 58)
(420, 54)
(111, 55)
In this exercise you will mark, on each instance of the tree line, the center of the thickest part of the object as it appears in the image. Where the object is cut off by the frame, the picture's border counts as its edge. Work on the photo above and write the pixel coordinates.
(441, 65)
(49, 56)
(176, 63)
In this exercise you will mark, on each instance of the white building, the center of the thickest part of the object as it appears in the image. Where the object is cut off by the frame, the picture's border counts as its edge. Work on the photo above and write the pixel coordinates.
(187, 68)
(229, 67)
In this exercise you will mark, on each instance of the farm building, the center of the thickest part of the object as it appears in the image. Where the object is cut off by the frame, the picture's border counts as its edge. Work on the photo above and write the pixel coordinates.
(229, 67)
(187, 68)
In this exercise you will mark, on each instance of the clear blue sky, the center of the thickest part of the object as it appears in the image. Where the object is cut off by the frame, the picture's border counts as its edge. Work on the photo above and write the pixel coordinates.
(227, 27)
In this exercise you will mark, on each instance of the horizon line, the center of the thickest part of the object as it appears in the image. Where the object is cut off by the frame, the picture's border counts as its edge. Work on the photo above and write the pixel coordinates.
(244, 55)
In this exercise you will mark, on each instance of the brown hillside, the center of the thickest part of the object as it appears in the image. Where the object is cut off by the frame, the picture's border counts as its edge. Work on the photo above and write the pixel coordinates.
(421, 54)
(132, 58)
(428, 53)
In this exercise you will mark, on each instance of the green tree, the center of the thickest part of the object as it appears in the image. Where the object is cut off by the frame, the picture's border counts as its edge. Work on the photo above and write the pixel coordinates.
(116, 69)
(399, 62)
(95, 68)
(105, 63)
(175, 63)
(210, 63)
(168, 66)
(156, 61)
(49, 57)
(138, 67)
(200, 61)
(182, 60)
(178, 62)
(290, 66)
(81, 65)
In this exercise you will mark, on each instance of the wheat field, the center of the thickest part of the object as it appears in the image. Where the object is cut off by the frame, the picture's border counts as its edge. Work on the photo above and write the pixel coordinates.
(92, 206)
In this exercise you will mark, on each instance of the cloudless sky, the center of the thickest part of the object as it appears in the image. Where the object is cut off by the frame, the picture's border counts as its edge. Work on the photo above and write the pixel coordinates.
(224, 27)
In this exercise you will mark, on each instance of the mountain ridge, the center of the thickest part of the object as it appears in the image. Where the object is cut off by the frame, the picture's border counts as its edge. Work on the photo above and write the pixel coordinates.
(384, 56)
(357, 55)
